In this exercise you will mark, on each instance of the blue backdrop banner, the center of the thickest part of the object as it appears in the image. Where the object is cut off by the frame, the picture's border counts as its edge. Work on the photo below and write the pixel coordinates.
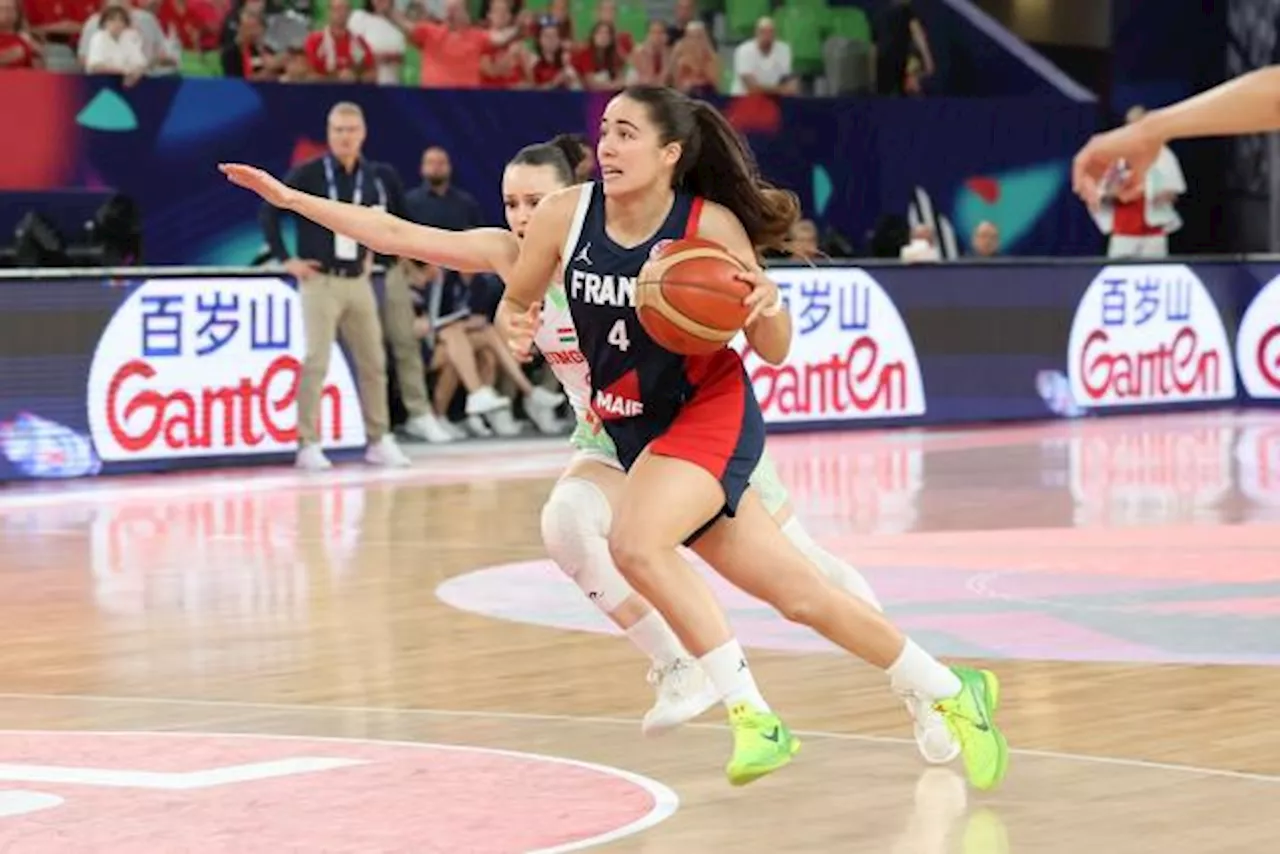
(182, 369)
(1002, 159)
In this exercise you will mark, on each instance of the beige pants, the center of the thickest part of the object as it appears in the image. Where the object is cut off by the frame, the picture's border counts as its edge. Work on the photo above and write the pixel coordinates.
(331, 306)
(397, 319)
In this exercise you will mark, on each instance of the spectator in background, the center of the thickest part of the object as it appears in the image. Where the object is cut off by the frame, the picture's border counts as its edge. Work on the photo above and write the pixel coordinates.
(599, 63)
(900, 38)
(451, 49)
(297, 68)
(684, 13)
(231, 22)
(116, 47)
(183, 23)
(58, 22)
(17, 48)
(695, 65)
(1140, 228)
(504, 63)
(437, 202)
(986, 240)
(558, 14)
(607, 13)
(332, 272)
(651, 61)
(247, 58)
(335, 53)
(155, 46)
(385, 39)
(551, 66)
(763, 64)
(922, 247)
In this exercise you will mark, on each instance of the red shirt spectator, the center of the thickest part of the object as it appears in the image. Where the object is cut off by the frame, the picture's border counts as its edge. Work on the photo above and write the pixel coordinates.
(550, 67)
(58, 20)
(607, 13)
(502, 66)
(17, 50)
(339, 54)
(600, 64)
(180, 18)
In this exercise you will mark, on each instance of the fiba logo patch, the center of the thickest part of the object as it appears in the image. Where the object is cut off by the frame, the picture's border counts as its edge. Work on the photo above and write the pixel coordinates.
(658, 247)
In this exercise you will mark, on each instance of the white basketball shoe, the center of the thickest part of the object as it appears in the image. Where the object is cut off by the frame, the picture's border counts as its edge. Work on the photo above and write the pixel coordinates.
(936, 743)
(684, 692)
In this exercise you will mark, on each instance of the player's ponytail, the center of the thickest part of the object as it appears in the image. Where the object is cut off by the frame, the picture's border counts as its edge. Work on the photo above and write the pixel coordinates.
(716, 163)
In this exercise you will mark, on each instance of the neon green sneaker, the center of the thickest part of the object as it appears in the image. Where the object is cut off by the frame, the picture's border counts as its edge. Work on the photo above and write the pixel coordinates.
(970, 715)
(761, 744)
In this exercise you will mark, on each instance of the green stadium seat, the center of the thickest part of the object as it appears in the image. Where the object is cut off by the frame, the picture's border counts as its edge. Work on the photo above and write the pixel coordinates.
(741, 17)
(803, 31)
(851, 23)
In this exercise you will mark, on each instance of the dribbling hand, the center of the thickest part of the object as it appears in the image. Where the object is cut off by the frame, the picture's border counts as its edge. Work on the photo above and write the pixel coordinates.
(259, 181)
(764, 300)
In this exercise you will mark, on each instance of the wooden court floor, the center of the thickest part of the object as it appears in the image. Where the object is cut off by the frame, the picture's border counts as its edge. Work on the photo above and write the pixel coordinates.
(384, 661)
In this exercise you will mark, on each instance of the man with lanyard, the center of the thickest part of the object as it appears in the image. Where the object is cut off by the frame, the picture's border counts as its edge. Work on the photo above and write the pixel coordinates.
(332, 271)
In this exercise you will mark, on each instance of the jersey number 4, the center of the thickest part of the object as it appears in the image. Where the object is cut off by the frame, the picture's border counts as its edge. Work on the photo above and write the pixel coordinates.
(618, 336)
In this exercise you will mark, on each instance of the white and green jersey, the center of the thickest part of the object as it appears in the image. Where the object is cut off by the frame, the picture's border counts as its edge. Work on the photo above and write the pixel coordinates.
(557, 339)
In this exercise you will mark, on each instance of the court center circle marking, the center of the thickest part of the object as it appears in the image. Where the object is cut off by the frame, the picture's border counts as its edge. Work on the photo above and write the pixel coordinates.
(665, 801)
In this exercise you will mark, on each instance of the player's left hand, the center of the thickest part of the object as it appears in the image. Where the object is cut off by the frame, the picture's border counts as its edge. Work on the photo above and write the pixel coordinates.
(765, 298)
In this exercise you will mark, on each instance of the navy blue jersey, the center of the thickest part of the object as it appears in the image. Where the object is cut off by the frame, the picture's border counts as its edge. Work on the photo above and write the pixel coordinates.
(637, 387)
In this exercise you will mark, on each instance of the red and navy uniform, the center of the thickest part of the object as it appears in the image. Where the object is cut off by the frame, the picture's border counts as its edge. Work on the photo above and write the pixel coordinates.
(696, 408)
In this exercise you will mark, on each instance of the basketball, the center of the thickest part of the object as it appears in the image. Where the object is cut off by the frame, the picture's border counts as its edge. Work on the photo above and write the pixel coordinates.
(687, 298)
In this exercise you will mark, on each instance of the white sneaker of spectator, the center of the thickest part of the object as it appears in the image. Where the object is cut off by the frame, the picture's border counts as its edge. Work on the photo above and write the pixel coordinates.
(477, 427)
(311, 458)
(503, 422)
(386, 452)
(540, 405)
(428, 428)
(454, 429)
(484, 400)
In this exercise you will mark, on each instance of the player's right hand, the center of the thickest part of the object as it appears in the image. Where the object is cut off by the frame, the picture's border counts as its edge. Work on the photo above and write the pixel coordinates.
(259, 181)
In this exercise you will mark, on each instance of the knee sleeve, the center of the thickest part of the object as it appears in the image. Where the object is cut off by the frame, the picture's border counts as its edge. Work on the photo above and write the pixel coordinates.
(838, 572)
(575, 531)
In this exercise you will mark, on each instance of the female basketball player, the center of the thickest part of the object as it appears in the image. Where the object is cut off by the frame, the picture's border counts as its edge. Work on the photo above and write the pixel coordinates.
(576, 519)
(689, 429)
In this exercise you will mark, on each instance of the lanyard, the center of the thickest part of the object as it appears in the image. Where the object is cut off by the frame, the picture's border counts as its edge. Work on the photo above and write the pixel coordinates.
(357, 195)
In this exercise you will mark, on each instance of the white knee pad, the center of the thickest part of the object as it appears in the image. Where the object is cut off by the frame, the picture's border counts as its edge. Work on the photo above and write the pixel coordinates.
(575, 531)
(838, 572)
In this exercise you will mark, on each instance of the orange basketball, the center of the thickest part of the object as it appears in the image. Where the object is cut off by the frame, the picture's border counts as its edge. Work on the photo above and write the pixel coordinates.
(687, 298)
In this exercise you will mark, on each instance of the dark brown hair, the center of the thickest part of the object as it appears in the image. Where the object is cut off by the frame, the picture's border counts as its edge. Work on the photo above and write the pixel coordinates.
(563, 154)
(716, 163)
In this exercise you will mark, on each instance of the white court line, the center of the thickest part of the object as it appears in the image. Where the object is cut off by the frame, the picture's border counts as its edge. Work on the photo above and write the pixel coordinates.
(665, 800)
(631, 722)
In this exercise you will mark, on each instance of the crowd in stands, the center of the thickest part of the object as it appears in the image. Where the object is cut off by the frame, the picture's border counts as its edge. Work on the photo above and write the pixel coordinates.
(744, 46)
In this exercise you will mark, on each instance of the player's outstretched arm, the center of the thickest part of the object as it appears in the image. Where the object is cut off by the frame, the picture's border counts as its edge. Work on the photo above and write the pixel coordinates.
(480, 250)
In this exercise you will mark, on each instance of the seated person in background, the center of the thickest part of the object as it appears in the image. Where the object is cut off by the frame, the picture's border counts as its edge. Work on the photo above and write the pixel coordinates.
(116, 47)
(456, 337)
(18, 48)
(986, 240)
(923, 246)
(695, 65)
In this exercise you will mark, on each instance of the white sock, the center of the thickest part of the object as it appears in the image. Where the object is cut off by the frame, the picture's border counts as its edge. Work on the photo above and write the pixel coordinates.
(837, 571)
(726, 666)
(654, 638)
(918, 671)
